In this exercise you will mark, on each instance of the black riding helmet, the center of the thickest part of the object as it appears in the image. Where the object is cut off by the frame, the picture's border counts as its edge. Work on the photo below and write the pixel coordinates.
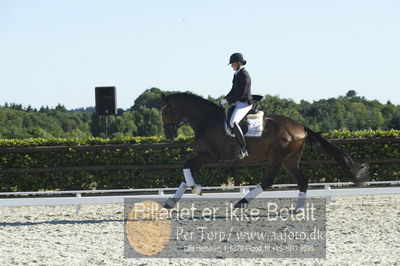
(237, 57)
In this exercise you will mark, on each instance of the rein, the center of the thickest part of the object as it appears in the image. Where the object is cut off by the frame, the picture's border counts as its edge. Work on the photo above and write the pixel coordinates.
(177, 124)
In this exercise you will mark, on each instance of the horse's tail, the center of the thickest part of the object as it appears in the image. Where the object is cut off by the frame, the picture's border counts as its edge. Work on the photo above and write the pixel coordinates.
(357, 174)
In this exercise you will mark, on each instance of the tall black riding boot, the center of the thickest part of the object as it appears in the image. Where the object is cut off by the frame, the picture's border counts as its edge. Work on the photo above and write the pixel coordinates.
(240, 139)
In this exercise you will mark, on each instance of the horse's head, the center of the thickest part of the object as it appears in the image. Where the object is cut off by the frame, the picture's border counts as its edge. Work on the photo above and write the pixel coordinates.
(172, 118)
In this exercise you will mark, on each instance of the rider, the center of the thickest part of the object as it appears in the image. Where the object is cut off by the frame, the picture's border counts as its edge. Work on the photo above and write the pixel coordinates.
(240, 96)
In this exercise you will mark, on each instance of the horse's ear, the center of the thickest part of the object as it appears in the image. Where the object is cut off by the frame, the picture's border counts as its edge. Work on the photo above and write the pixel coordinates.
(164, 99)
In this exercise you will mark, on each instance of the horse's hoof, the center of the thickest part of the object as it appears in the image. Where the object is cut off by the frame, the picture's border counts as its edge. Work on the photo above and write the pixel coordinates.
(296, 211)
(169, 203)
(241, 204)
(196, 189)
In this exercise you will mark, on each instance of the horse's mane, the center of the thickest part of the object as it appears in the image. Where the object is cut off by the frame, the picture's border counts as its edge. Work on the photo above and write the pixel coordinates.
(197, 100)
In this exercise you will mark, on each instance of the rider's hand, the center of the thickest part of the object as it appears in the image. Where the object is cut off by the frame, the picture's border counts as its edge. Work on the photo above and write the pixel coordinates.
(223, 102)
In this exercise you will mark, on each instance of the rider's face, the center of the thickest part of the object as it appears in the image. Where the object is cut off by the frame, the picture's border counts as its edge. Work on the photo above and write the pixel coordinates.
(236, 65)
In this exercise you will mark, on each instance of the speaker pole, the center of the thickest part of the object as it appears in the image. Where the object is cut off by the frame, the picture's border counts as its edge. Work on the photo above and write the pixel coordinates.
(107, 127)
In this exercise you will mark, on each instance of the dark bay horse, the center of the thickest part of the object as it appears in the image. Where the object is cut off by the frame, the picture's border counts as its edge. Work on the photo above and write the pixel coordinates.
(281, 144)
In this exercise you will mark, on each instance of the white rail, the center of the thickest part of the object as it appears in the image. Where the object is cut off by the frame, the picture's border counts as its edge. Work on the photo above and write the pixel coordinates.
(161, 191)
(13, 199)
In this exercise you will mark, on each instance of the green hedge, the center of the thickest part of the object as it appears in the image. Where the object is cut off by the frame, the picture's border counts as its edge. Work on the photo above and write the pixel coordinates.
(170, 177)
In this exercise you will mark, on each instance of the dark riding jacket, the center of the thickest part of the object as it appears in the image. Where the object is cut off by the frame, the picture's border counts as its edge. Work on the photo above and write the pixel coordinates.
(241, 88)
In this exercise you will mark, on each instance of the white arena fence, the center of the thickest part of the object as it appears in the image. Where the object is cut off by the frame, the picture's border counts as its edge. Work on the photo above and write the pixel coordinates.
(80, 197)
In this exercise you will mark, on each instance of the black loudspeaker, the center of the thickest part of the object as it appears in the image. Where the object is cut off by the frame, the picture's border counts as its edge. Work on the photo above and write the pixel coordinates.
(106, 101)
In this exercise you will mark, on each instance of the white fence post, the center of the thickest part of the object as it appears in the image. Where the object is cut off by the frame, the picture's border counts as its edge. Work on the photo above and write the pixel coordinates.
(78, 207)
(328, 194)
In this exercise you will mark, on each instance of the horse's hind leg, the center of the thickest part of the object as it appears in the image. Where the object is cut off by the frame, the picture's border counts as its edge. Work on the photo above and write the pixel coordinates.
(269, 175)
(292, 167)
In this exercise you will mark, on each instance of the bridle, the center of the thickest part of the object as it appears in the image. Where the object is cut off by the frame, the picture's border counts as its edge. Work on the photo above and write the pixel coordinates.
(174, 125)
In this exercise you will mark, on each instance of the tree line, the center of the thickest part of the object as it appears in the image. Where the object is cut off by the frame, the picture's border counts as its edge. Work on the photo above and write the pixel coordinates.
(350, 112)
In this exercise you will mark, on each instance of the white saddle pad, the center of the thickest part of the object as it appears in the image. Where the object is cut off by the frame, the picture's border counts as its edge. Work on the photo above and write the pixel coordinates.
(255, 127)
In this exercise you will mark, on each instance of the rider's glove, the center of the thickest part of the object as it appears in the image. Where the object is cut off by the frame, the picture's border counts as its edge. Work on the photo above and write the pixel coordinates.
(223, 102)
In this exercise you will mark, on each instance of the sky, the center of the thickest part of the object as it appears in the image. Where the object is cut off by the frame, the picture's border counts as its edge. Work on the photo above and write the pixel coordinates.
(55, 52)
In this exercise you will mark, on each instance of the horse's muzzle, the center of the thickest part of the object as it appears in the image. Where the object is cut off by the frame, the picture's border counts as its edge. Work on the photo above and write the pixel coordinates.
(171, 132)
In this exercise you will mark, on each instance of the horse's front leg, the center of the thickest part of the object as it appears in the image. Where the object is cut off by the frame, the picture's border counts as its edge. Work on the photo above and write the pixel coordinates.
(190, 166)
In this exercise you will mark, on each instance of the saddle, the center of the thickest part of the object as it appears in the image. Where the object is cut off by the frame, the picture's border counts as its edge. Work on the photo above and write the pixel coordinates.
(252, 124)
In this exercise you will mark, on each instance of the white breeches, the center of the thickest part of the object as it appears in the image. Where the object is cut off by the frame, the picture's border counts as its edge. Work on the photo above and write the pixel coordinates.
(241, 109)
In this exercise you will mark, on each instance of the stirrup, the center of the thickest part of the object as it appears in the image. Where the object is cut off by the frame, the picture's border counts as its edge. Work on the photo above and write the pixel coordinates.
(196, 189)
(243, 153)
